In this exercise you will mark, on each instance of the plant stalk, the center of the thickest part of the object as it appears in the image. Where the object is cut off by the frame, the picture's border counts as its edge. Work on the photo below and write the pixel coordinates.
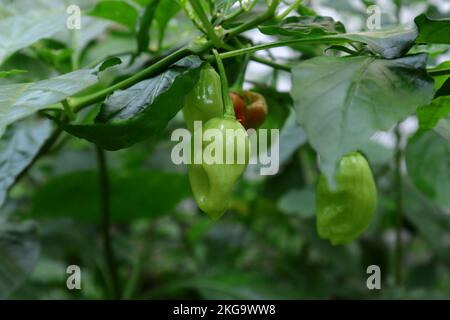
(79, 103)
(251, 24)
(206, 24)
(229, 110)
(434, 72)
(271, 63)
(283, 15)
(106, 222)
(399, 205)
(46, 147)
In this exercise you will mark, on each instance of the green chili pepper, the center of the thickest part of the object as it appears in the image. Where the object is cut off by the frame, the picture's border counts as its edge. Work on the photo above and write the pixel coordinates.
(204, 102)
(343, 214)
(212, 183)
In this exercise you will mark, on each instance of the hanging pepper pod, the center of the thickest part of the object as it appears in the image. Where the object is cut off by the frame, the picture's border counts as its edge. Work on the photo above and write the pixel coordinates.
(343, 214)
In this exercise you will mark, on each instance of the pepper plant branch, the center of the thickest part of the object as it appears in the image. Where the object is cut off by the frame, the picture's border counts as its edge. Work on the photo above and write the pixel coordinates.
(293, 6)
(283, 43)
(68, 110)
(43, 150)
(229, 110)
(270, 13)
(438, 71)
(239, 82)
(271, 63)
(234, 14)
(78, 103)
(193, 20)
(242, 9)
(399, 204)
(106, 222)
(206, 23)
(230, 54)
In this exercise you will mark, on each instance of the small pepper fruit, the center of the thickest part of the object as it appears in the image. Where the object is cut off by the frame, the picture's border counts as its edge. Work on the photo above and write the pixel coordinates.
(239, 107)
(204, 102)
(212, 183)
(343, 214)
(250, 108)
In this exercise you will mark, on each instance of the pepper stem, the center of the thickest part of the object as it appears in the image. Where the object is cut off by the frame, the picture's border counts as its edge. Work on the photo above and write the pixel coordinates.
(229, 110)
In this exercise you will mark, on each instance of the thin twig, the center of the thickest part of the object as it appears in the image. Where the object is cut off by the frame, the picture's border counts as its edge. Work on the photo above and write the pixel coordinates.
(206, 23)
(292, 7)
(42, 151)
(271, 63)
(438, 71)
(106, 222)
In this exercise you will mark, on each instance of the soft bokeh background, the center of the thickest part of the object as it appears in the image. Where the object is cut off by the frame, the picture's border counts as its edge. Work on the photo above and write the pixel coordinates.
(266, 245)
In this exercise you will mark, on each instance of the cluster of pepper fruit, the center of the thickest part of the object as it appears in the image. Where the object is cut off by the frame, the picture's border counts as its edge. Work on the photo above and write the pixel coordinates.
(343, 213)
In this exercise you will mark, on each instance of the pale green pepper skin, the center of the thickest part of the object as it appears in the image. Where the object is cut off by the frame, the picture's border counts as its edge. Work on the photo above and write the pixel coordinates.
(344, 214)
(212, 184)
(204, 102)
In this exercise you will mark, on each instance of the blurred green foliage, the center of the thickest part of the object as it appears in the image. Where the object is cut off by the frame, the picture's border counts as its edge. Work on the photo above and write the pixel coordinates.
(265, 247)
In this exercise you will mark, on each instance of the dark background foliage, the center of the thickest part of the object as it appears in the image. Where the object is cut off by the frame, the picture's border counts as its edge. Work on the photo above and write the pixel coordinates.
(266, 245)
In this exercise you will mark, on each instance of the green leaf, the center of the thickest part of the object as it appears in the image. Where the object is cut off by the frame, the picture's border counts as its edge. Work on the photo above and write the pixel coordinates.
(92, 28)
(142, 3)
(302, 26)
(143, 25)
(224, 6)
(112, 44)
(18, 32)
(389, 43)
(431, 222)
(54, 54)
(134, 194)
(292, 136)
(428, 162)
(305, 11)
(444, 90)
(141, 111)
(167, 9)
(118, 11)
(18, 147)
(430, 115)
(443, 128)
(19, 252)
(439, 81)
(18, 101)
(342, 102)
(111, 62)
(432, 30)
